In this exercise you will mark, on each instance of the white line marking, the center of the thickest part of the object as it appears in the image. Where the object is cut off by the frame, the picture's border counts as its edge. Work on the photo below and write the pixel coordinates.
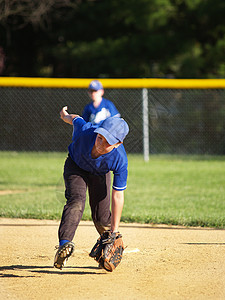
(131, 250)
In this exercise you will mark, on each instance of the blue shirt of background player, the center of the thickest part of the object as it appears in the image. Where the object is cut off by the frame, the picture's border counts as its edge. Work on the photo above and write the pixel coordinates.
(83, 141)
(95, 115)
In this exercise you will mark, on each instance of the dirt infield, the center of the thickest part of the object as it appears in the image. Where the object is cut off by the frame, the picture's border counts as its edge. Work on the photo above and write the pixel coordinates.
(160, 262)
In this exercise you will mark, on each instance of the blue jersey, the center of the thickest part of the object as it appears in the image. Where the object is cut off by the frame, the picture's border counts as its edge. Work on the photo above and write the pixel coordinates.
(95, 115)
(83, 141)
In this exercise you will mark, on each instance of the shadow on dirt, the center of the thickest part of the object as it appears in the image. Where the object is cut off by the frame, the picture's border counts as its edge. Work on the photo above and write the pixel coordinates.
(49, 270)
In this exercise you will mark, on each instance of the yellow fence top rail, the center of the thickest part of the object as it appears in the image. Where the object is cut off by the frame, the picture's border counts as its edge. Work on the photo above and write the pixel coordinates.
(113, 83)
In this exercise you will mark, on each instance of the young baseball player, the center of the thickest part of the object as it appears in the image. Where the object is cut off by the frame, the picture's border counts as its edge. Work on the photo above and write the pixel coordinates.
(94, 152)
(100, 108)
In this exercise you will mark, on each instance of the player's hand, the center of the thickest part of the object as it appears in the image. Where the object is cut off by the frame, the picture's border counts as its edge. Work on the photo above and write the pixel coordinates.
(63, 112)
(66, 117)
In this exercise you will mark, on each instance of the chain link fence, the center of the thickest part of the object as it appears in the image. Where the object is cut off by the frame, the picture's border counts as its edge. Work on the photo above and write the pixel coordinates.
(179, 121)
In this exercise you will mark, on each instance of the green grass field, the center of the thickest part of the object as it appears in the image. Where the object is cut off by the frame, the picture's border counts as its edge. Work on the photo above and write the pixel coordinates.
(178, 190)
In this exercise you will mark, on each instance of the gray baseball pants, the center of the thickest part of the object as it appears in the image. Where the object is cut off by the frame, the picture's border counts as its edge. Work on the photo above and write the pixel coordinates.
(77, 181)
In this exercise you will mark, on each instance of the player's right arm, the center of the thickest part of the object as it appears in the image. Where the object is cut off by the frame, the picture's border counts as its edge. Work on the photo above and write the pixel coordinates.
(66, 117)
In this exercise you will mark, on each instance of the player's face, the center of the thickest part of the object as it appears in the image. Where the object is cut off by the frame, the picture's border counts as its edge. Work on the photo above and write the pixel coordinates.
(95, 95)
(102, 146)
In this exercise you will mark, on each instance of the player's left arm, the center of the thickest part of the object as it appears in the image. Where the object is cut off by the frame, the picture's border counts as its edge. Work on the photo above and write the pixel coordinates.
(116, 209)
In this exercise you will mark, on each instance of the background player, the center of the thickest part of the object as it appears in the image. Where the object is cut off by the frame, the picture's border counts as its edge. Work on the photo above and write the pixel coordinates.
(100, 108)
(94, 152)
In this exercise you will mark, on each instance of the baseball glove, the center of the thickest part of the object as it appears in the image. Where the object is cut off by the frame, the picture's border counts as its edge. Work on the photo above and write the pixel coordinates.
(108, 250)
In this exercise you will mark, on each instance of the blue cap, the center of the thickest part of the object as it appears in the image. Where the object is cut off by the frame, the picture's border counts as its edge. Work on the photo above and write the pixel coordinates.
(95, 85)
(114, 129)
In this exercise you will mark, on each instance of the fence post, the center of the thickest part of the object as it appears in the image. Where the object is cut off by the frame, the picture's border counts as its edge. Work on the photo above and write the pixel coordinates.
(145, 124)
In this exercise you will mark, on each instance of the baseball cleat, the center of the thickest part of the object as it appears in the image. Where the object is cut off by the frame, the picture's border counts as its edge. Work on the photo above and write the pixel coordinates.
(62, 254)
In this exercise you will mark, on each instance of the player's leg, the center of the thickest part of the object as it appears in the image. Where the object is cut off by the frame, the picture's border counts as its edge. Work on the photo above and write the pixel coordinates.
(75, 193)
(99, 197)
(72, 212)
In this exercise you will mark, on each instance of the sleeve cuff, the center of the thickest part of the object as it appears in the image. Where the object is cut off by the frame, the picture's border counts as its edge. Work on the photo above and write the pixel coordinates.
(119, 188)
